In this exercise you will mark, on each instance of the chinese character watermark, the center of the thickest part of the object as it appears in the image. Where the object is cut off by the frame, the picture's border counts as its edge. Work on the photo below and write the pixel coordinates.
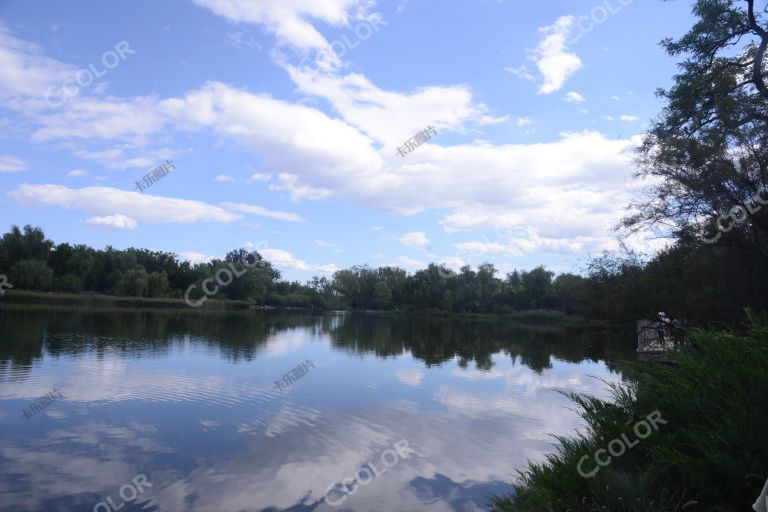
(154, 176)
(416, 141)
(41, 403)
(294, 375)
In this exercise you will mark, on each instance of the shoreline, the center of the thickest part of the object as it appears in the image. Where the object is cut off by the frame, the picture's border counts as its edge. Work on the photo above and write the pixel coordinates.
(116, 302)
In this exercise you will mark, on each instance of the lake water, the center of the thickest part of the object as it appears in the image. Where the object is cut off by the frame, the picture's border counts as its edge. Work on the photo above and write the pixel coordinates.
(180, 411)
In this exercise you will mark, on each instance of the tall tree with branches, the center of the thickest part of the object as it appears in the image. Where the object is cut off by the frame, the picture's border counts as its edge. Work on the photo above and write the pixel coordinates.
(705, 157)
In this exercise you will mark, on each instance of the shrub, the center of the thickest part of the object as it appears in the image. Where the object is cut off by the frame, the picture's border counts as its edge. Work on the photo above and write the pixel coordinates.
(711, 455)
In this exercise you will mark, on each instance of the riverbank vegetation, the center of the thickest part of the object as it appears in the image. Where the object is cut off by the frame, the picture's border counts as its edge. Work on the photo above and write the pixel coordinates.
(708, 454)
(685, 281)
(706, 160)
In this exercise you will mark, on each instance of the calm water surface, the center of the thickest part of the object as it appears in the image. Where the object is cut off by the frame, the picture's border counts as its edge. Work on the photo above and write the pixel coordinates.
(189, 401)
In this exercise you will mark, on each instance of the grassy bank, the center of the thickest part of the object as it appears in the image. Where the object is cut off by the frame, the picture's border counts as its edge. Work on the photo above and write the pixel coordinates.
(92, 300)
(89, 300)
(710, 454)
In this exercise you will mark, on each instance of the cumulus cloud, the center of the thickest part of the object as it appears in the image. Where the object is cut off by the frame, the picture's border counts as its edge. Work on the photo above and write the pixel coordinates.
(117, 221)
(574, 184)
(628, 118)
(393, 117)
(77, 173)
(223, 178)
(552, 58)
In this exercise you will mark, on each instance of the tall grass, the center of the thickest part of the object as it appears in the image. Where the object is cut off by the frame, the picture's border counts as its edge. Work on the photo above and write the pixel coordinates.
(712, 454)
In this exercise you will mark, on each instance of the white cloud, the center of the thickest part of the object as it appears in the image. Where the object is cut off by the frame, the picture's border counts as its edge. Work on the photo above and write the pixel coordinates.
(615, 98)
(298, 191)
(104, 119)
(552, 59)
(284, 259)
(223, 178)
(608, 118)
(524, 121)
(521, 72)
(531, 243)
(575, 185)
(117, 221)
(287, 19)
(323, 243)
(574, 97)
(629, 118)
(111, 201)
(12, 164)
(76, 173)
(417, 239)
(258, 210)
(26, 72)
(408, 263)
(259, 176)
(393, 117)
(288, 136)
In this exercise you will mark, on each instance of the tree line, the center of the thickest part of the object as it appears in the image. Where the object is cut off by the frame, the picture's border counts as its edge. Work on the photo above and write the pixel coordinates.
(692, 280)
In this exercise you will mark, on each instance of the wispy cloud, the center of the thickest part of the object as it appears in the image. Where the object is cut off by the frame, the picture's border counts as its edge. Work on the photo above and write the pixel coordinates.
(12, 164)
(111, 201)
(574, 97)
(263, 212)
(117, 221)
(284, 259)
(417, 239)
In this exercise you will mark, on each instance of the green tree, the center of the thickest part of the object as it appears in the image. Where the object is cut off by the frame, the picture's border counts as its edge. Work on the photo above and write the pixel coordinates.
(706, 156)
(17, 245)
(157, 284)
(537, 285)
(31, 275)
(382, 295)
(133, 282)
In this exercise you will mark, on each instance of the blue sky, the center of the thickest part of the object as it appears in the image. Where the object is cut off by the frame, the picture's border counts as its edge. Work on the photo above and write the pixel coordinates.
(283, 119)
